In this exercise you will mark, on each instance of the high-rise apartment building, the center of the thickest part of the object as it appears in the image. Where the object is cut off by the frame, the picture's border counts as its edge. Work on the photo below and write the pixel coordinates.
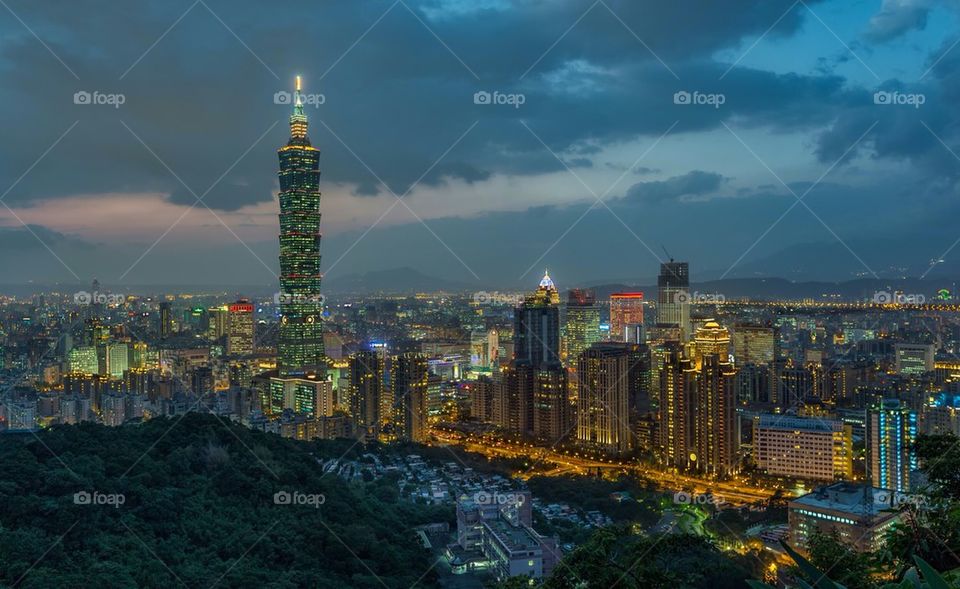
(603, 398)
(366, 384)
(717, 436)
(409, 379)
(891, 431)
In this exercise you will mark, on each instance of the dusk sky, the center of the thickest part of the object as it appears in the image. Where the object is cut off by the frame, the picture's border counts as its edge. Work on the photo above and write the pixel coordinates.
(792, 165)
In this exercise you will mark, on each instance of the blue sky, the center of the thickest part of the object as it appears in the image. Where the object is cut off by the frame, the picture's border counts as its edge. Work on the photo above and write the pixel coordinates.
(797, 173)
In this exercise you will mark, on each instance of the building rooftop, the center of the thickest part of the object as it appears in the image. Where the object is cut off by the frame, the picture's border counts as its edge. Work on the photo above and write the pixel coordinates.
(513, 537)
(786, 422)
(851, 498)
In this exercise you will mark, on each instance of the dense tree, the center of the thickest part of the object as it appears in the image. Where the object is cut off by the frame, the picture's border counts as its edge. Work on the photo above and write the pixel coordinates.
(198, 509)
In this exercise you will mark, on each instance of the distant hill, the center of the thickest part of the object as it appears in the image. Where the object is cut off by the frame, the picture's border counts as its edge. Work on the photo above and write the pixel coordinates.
(198, 510)
(398, 280)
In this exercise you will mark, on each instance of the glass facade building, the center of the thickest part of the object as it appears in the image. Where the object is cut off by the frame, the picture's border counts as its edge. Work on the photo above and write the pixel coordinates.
(301, 304)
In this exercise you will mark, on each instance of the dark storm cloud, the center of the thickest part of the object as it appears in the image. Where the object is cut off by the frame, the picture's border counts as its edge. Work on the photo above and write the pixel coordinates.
(33, 237)
(199, 99)
(695, 183)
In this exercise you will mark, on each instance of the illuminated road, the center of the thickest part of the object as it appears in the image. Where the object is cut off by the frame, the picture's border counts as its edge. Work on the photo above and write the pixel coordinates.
(555, 463)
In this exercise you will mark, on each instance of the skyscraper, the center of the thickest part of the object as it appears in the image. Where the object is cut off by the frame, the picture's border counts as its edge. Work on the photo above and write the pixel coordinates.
(240, 328)
(166, 320)
(533, 396)
(300, 339)
(677, 405)
(673, 298)
(716, 417)
(366, 384)
(603, 398)
(409, 377)
(626, 314)
(536, 331)
(582, 327)
(891, 431)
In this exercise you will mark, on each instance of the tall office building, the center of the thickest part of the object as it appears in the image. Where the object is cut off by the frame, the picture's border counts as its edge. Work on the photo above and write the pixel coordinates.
(603, 399)
(366, 384)
(165, 327)
(536, 333)
(673, 298)
(582, 327)
(891, 431)
(626, 316)
(240, 328)
(409, 376)
(717, 436)
(755, 344)
(531, 398)
(300, 340)
(219, 322)
(117, 358)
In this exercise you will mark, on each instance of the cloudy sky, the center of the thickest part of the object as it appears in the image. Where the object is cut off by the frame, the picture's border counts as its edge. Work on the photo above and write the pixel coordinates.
(809, 139)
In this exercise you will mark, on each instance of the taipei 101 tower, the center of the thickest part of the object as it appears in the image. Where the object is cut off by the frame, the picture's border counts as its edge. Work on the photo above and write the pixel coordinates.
(300, 353)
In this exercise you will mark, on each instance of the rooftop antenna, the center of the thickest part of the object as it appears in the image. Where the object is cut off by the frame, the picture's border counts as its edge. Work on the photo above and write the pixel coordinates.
(666, 252)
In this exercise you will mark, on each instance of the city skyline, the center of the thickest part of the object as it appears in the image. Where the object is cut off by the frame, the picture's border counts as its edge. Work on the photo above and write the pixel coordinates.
(800, 132)
(472, 294)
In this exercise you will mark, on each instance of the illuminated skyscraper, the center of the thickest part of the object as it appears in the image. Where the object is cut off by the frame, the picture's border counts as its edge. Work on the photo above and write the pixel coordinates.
(717, 438)
(300, 339)
(533, 393)
(673, 298)
(677, 405)
(626, 314)
(582, 327)
(240, 330)
(409, 375)
(366, 385)
(603, 398)
(536, 331)
(891, 432)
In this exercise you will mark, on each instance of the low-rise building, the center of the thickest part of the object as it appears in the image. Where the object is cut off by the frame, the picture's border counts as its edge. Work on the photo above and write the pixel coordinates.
(861, 515)
(803, 447)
